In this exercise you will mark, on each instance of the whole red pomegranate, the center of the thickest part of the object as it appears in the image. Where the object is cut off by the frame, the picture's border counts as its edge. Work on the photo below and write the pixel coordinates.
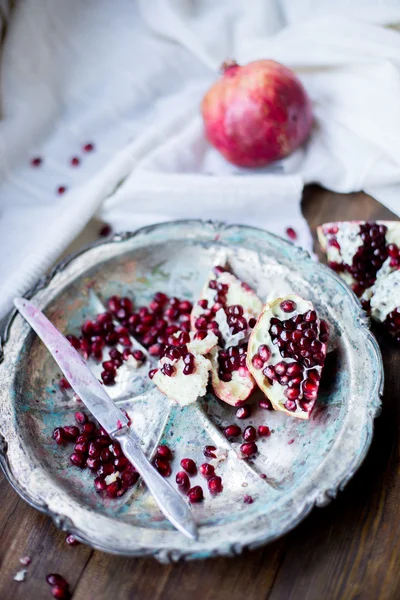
(257, 113)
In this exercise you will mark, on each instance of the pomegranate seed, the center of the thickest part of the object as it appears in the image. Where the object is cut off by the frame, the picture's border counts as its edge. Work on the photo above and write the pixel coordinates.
(249, 434)
(129, 478)
(75, 161)
(106, 469)
(263, 430)
(89, 147)
(36, 162)
(163, 467)
(60, 593)
(80, 417)
(200, 335)
(265, 404)
(94, 450)
(71, 432)
(100, 484)
(78, 459)
(121, 462)
(215, 485)
(59, 436)
(195, 494)
(168, 370)
(209, 451)
(243, 412)
(64, 384)
(291, 233)
(252, 322)
(189, 465)
(182, 480)
(105, 230)
(71, 540)
(88, 428)
(61, 190)
(113, 489)
(288, 306)
(257, 362)
(185, 306)
(248, 499)
(108, 377)
(152, 373)
(164, 452)
(248, 449)
(138, 355)
(105, 455)
(56, 579)
(232, 431)
(74, 341)
(207, 470)
(92, 463)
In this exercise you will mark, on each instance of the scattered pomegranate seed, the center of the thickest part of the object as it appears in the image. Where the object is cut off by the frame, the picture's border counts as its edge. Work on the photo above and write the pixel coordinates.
(263, 430)
(88, 428)
(249, 434)
(60, 593)
(243, 412)
(291, 441)
(105, 231)
(59, 436)
(232, 431)
(163, 467)
(80, 417)
(215, 485)
(75, 161)
(189, 465)
(291, 233)
(36, 162)
(74, 341)
(152, 373)
(209, 451)
(207, 470)
(64, 384)
(248, 499)
(195, 494)
(88, 147)
(25, 560)
(71, 540)
(71, 432)
(164, 452)
(100, 484)
(182, 480)
(248, 448)
(77, 459)
(265, 404)
(61, 190)
(56, 579)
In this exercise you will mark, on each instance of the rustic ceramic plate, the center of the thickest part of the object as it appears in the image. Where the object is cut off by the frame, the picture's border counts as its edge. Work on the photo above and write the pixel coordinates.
(305, 462)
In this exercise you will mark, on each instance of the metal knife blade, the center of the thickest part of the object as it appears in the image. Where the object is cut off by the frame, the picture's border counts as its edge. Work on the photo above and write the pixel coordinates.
(114, 421)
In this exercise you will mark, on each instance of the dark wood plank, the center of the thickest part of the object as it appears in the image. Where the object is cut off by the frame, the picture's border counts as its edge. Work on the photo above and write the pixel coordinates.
(347, 550)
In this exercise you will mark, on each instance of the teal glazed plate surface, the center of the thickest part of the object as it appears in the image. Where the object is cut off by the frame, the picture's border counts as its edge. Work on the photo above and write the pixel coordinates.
(302, 464)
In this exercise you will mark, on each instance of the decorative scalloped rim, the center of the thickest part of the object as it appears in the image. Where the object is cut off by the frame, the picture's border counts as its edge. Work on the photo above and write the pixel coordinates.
(323, 497)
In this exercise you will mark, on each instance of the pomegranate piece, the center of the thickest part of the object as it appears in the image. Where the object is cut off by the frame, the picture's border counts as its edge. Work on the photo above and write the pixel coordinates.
(71, 540)
(187, 382)
(195, 494)
(256, 113)
(297, 341)
(361, 252)
(189, 465)
(248, 499)
(36, 162)
(59, 436)
(56, 579)
(291, 233)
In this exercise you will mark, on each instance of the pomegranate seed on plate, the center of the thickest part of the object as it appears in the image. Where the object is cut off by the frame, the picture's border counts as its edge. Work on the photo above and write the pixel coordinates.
(232, 431)
(195, 494)
(263, 430)
(215, 485)
(61, 190)
(36, 162)
(164, 452)
(182, 480)
(189, 465)
(75, 161)
(71, 540)
(207, 470)
(89, 147)
(243, 412)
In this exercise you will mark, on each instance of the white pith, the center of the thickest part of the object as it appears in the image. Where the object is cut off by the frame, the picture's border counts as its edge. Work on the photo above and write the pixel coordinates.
(260, 336)
(385, 296)
(181, 388)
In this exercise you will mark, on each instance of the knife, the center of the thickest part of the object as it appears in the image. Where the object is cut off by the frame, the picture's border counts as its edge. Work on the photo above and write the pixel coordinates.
(114, 421)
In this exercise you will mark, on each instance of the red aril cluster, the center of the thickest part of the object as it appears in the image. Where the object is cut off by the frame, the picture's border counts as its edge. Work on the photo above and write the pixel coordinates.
(162, 458)
(95, 450)
(392, 323)
(230, 360)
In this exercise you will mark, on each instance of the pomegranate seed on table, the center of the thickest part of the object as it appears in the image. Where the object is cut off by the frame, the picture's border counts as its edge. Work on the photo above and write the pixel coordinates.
(71, 432)
(248, 499)
(78, 459)
(71, 540)
(75, 161)
(80, 417)
(59, 436)
(189, 465)
(89, 147)
(36, 161)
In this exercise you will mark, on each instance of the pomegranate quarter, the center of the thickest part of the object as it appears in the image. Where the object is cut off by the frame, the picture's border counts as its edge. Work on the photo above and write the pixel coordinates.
(229, 308)
(367, 256)
(256, 113)
(286, 354)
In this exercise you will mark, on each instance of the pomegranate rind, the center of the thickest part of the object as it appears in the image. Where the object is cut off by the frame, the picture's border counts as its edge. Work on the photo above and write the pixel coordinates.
(238, 294)
(180, 388)
(234, 392)
(261, 336)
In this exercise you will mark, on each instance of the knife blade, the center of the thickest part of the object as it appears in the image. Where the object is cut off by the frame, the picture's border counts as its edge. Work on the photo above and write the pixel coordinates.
(114, 421)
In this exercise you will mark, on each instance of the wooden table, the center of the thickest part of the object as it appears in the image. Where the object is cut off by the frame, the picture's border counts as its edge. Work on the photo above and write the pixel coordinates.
(349, 550)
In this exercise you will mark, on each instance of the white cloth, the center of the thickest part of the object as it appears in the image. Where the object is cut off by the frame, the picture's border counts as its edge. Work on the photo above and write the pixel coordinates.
(129, 77)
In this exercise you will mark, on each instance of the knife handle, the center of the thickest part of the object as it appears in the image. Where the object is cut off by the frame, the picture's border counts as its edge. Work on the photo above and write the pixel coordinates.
(171, 503)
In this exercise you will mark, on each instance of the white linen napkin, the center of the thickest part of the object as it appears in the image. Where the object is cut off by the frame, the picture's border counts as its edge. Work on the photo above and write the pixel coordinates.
(129, 77)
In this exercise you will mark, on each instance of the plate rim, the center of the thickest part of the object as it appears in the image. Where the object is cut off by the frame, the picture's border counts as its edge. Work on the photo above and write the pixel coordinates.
(323, 497)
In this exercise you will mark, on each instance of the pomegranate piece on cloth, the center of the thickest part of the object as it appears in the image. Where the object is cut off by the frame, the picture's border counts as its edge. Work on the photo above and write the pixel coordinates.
(256, 113)
(367, 256)
(286, 354)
